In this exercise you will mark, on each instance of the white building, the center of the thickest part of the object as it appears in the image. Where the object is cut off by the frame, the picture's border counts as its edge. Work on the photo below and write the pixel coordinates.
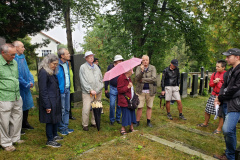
(45, 50)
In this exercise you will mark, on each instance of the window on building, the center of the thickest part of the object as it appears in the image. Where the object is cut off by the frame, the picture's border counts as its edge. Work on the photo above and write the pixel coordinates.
(46, 52)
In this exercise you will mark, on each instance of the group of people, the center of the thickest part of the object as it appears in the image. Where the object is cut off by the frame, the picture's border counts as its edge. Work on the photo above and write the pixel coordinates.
(55, 85)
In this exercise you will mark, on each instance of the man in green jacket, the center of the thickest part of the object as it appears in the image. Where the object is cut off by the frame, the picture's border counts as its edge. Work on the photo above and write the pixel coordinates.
(146, 88)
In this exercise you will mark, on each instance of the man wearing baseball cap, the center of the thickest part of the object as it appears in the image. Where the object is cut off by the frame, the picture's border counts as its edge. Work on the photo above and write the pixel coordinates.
(113, 93)
(229, 99)
(170, 87)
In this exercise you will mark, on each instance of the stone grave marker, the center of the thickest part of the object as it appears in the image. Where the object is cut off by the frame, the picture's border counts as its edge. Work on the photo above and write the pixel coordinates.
(194, 93)
(183, 85)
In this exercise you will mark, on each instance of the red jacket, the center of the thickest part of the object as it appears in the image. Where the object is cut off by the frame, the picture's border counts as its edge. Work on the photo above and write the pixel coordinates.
(216, 86)
(122, 88)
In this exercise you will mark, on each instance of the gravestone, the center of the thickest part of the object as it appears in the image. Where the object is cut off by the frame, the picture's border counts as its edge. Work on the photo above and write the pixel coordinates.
(183, 85)
(194, 93)
(201, 86)
(2, 41)
(210, 90)
(206, 82)
(76, 61)
(159, 80)
(202, 72)
(189, 82)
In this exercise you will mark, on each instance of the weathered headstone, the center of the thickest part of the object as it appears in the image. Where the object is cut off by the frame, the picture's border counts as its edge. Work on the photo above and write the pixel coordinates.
(206, 82)
(194, 93)
(201, 86)
(76, 61)
(202, 72)
(159, 80)
(2, 41)
(189, 82)
(183, 85)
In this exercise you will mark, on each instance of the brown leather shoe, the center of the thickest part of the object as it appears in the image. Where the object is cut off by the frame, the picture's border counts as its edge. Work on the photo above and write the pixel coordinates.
(85, 128)
(10, 148)
(221, 157)
(94, 126)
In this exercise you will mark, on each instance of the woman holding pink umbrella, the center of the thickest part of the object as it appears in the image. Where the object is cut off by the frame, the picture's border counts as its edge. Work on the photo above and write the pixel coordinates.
(125, 88)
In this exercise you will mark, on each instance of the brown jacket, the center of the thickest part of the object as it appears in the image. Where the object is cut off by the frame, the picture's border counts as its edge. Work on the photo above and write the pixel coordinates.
(146, 77)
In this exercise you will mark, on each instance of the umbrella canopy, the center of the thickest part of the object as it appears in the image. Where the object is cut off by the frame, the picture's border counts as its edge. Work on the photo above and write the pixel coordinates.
(121, 68)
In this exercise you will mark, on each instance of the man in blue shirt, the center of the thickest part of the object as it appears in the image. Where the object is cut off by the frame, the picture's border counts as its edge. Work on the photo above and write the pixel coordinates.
(64, 85)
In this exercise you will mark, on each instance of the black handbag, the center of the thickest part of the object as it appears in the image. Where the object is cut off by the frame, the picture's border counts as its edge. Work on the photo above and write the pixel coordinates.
(132, 103)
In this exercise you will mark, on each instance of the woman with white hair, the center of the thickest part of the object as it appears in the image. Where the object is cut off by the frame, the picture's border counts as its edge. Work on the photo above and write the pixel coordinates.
(49, 99)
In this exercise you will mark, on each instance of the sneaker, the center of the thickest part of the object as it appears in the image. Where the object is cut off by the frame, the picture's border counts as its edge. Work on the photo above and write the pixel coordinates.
(19, 141)
(72, 118)
(169, 116)
(10, 148)
(182, 117)
(22, 132)
(137, 124)
(70, 130)
(57, 138)
(85, 128)
(111, 123)
(53, 144)
(94, 125)
(27, 126)
(119, 122)
(64, 133)
(149, 125)
(221, 157)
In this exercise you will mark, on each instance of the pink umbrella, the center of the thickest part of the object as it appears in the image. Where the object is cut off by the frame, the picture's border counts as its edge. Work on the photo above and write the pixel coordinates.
(122, 68)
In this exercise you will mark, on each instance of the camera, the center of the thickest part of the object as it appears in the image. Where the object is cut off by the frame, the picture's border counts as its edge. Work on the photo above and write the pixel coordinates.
(161, 96)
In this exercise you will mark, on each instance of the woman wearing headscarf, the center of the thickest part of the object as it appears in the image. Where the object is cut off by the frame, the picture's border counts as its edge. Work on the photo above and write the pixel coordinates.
(49, 98)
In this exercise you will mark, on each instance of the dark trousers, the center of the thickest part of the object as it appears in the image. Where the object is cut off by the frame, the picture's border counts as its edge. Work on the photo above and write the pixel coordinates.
(71, 106)
(25, 117)
(51, 131)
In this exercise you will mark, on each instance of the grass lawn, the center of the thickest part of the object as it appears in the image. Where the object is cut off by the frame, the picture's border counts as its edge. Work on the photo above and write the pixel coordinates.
(134, 146)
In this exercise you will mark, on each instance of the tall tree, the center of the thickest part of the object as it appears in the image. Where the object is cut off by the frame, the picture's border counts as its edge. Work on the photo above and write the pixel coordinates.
(21, 17)
(154, 26)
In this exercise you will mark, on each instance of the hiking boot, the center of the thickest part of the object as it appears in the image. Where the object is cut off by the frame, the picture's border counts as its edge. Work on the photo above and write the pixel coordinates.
(169, 116)
(72, 118)
(182, 117)
(57, 138)
(10, 148)
(111, 123)
(221, 157)
(149, 125)
(64, 133)
(53, 144)
(70, 130)
(137, 124)
(85, 128)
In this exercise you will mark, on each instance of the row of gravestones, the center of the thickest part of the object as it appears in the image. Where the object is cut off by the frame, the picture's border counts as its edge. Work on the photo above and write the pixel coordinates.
(185, 83)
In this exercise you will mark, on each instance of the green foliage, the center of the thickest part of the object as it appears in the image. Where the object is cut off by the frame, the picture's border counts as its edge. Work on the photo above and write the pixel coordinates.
(21, 17)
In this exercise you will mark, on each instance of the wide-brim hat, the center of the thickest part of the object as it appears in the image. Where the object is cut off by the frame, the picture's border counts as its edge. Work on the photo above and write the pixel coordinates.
(233, 51)
(88, 53)
(118, 58)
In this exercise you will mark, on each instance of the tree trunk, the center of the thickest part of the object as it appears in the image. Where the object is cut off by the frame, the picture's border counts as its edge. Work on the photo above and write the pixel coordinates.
(68, 29)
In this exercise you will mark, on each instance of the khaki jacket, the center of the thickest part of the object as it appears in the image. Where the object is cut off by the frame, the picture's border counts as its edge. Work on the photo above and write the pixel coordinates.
(146, 77)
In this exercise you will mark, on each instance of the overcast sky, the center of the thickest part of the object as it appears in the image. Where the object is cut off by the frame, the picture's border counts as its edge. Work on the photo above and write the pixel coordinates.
(58, 33)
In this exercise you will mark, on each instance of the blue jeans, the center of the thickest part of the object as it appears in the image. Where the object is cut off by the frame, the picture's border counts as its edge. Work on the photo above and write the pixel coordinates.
(229, 131)
(113, 100)
(51, 131)
(65, 102)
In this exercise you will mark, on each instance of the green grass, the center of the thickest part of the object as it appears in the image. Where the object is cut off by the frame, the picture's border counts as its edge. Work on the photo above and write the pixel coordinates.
(133, 146)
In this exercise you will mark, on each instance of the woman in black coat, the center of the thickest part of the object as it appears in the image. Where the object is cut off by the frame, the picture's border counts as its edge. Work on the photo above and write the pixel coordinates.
(49, 98)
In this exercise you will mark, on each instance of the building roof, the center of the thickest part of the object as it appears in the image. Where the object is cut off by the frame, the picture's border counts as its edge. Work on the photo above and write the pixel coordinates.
(50, 37)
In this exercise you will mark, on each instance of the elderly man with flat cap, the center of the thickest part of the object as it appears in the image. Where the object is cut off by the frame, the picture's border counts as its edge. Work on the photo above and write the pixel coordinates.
(229, 99)
(91, 84)
(113, 93)
(170, 87)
